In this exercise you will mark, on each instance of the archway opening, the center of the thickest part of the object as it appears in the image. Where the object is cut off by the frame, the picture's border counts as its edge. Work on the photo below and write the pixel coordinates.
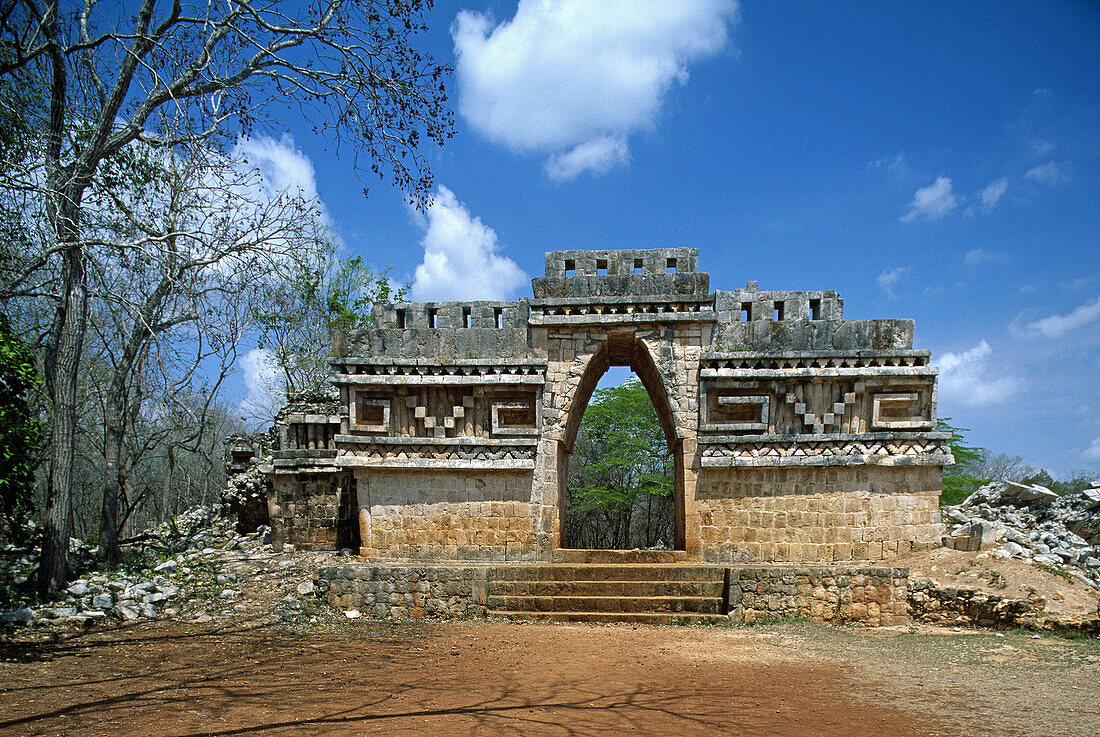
(620, 480)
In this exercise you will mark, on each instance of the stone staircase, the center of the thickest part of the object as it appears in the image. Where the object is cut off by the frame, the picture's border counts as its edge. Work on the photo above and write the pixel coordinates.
(651, 587)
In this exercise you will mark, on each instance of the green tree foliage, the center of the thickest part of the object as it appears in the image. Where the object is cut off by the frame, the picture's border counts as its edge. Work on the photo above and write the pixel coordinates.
(958, 481)
(20, 433)
(620, 493)
(301, 309)
(975, 466)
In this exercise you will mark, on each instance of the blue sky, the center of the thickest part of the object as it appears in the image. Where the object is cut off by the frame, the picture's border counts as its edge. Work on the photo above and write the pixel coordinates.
(933, 161)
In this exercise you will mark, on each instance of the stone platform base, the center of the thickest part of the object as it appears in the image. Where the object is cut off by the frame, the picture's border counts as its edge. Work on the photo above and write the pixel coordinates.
(870, 596)
(653, 593)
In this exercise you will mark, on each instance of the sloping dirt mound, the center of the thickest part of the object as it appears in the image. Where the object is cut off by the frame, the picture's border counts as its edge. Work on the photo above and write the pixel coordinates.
(1054, 592)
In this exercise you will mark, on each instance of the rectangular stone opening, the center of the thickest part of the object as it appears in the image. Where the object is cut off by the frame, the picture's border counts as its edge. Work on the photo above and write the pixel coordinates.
(746, 311)
(741, 412)
(371, 414)
(431, 316)
(734, 412)
(601, 267)
(401, 319)
(778, 311)
(895, 409)
(815, 309)
(638, 266)
(899, 411)
(498, 317)
(465, 317)
(516, 416)
(570, 267)
(670, 265)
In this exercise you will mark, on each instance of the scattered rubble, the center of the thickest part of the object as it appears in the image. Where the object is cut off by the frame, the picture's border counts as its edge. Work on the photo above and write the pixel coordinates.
(1030, 522)
(196, 568)
(934, 604)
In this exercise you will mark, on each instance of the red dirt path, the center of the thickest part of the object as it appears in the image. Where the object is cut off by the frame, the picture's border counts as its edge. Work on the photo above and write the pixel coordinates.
(461, 679)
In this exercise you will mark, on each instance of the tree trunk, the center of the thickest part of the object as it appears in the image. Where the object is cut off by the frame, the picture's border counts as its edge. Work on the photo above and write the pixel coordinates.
(109, 550)
(165, 504)
(62, 365)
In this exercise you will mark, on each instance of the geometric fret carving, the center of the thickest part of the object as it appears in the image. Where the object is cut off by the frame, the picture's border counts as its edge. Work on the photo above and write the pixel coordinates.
(898, 411)
(514, 419)
(819, 422)
(438, 426)
(370, 415)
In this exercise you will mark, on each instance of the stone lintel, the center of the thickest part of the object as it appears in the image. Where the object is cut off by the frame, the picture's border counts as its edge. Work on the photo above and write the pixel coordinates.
(466, 441)
(287, 465)
(505, 464)
(312, 419)
(824, 437)
(618, 319)
(730, 461)
(708, 356)
(431, 362)
(823, 373)
(436, 379)
(631, 299)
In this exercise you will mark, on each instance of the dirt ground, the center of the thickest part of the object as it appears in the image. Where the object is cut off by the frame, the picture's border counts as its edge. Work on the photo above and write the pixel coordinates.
(488, 678)
(1008, 577)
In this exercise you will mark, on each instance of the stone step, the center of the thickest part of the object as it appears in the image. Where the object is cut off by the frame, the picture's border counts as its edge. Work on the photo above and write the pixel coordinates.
(608, 572)
(608, 588)
(579, 555)
(624, 604)
(614, 617)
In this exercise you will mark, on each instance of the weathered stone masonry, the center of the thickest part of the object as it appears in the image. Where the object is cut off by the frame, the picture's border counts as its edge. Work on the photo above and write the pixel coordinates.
(798, 435)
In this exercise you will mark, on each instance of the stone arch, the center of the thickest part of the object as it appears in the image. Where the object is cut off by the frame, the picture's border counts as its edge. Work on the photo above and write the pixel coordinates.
(623, 349)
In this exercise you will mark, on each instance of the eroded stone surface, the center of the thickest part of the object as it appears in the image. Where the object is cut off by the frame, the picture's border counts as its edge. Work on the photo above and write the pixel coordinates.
(799, 436)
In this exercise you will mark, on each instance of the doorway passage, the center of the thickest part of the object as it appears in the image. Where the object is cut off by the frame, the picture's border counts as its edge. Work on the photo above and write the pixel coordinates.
(621, 485)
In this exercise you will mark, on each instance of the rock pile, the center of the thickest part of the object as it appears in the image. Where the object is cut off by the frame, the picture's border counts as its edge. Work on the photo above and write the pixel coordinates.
(934, 604)
(194, 568)
(1031, 522)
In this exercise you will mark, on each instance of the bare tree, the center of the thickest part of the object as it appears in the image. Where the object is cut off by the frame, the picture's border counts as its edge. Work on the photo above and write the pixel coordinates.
(178, 279)
(1000, 467)
(177, 75)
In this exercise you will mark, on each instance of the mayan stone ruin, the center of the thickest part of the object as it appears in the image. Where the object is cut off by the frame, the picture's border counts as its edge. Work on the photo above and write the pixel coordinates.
(798, 436)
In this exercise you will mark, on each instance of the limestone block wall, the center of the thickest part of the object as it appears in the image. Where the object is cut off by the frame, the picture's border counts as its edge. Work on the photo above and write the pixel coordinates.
(797, 435)
(931, 603)
(817, 514)
(442, 514)
(406, 592)
(310, 509)
(871, 596)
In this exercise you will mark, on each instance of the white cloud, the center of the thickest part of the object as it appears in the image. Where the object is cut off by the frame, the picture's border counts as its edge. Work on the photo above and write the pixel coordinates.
(1056, 326)
(575, 78)
(893, 164)
(888, 278)
(1091, 454)
(993, 192)
(461, 256)
(932, 202)
(965, 378)
(1048, 173)
(265, 389)
(976, 257)
(281, 165)
(597, 155)
(1039, 146)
